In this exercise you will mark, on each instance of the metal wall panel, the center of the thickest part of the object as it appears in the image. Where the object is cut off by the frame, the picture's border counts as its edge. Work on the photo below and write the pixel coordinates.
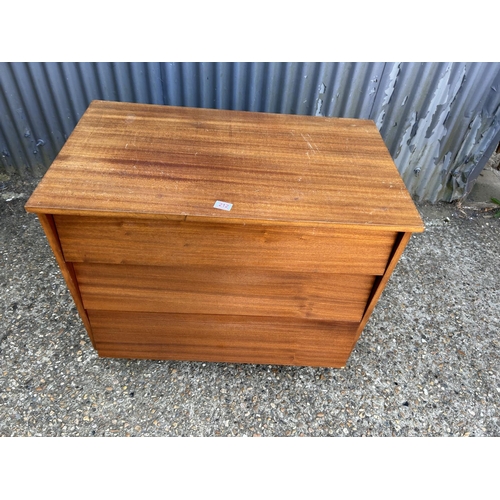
(440, 121)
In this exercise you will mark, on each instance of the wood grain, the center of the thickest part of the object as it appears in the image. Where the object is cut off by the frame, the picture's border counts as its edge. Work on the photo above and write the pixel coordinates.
(290, 275)
(234, 339)
(161, 160)
(221, 290)
(171, 243)
(67, 270)
(379, 285)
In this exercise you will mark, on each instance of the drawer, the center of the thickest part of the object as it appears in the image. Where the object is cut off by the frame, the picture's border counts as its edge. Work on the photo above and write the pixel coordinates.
(318, 248)
(233, 339)
(220, 290)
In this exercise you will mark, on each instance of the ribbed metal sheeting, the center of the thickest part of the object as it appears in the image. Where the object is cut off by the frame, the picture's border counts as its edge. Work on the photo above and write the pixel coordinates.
(440, 121)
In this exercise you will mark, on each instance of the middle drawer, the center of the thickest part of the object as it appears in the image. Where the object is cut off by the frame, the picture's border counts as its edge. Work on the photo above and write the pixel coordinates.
(221, 290)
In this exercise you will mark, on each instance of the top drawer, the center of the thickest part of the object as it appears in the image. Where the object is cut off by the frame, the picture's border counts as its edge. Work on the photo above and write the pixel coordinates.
(318, 248)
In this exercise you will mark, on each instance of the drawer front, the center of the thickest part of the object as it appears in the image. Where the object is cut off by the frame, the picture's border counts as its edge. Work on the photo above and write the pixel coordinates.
(172, 243)
(233, 339)
(220, 290)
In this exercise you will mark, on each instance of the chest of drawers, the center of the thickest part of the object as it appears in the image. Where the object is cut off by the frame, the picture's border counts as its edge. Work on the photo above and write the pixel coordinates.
(211, 235)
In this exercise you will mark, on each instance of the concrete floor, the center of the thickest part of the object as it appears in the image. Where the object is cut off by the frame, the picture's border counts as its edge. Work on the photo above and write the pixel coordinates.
(427, 364)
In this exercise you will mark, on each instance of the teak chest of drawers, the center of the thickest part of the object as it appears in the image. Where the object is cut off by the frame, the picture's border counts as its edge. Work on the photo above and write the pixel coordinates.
(289, 274)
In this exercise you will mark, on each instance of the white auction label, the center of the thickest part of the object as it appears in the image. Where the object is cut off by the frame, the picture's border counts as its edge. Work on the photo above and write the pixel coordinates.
(222, 205)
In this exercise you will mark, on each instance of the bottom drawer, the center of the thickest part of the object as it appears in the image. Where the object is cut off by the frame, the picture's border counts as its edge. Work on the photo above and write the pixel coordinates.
(222, 338)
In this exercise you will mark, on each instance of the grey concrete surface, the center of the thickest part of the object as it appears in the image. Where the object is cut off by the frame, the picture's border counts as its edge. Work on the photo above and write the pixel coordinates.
(487, 184)
(427, 363)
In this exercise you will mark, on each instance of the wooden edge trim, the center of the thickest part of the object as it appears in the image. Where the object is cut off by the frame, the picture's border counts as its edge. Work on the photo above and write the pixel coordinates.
(48, 225)
(402, 240)
(414, 227)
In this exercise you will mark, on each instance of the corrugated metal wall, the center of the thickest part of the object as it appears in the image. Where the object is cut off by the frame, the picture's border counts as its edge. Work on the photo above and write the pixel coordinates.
(440, 121)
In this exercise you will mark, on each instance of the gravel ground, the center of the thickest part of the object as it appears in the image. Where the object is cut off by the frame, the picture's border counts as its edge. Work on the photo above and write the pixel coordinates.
(427, 364)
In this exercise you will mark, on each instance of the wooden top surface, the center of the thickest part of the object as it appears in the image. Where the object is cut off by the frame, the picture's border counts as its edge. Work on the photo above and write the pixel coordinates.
(163, 161)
